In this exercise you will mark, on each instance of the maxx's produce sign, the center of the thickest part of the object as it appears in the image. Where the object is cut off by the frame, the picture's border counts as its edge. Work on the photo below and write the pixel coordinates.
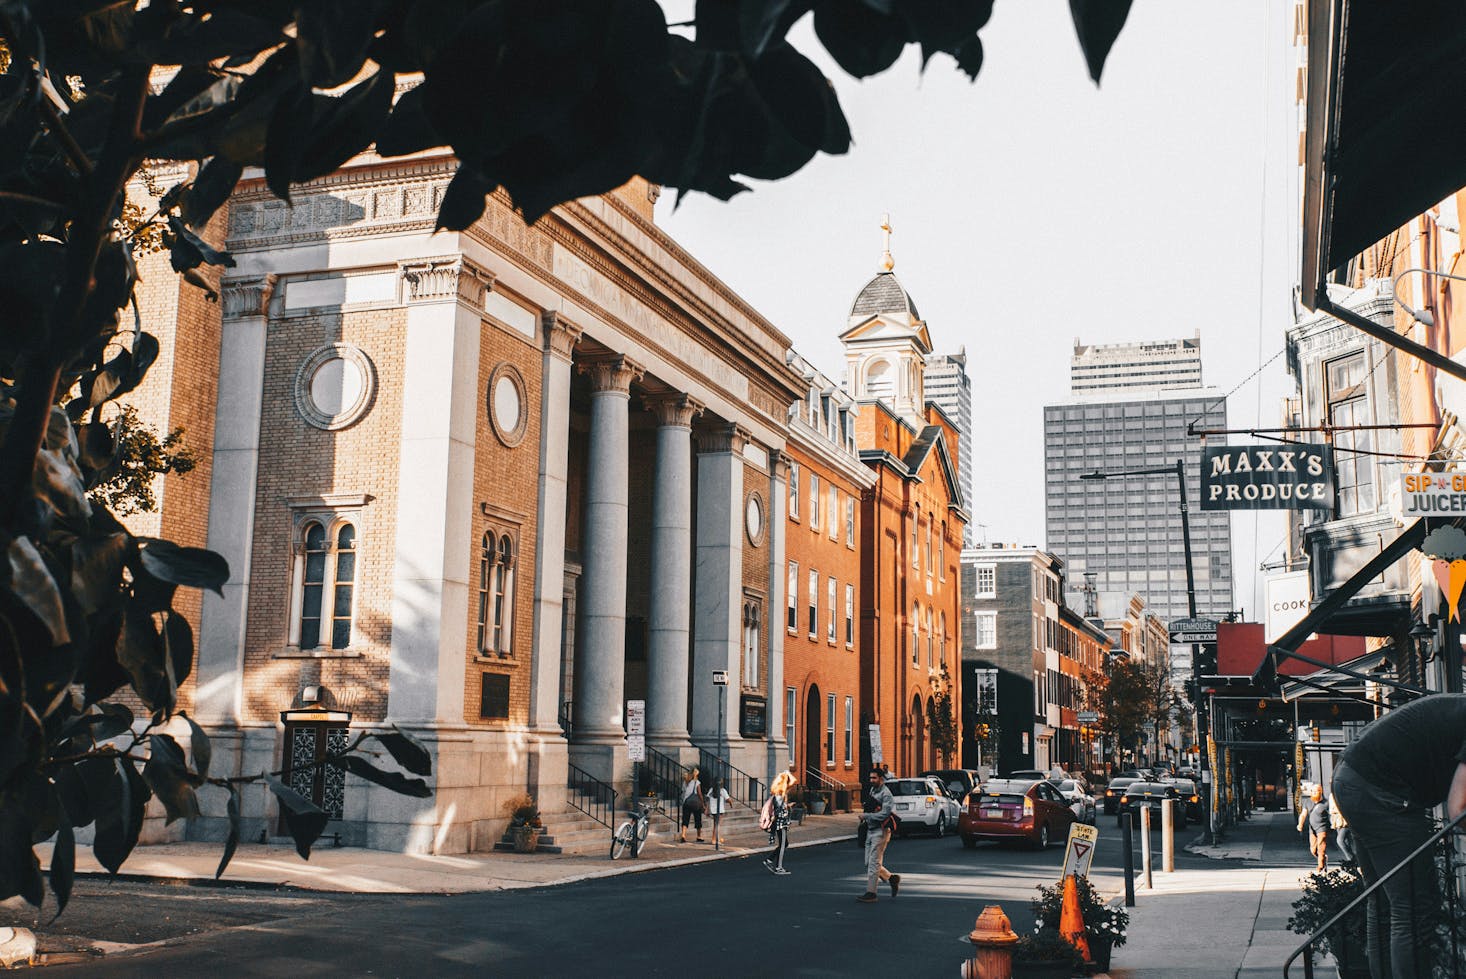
(1251, 477)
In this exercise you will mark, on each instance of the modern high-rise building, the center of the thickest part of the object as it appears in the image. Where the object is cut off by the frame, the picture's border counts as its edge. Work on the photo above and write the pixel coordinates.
(1127, 531)
(1166, 364)
(950, 389)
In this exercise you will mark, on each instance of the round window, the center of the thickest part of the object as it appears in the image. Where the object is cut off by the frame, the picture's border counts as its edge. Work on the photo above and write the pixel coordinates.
(334, 386)
(753, 518)
(508, 414)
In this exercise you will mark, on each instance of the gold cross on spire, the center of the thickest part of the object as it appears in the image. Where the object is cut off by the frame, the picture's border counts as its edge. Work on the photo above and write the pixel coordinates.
(887, 262)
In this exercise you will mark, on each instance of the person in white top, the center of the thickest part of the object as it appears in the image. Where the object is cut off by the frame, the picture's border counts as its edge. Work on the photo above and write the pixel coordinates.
(717, 798)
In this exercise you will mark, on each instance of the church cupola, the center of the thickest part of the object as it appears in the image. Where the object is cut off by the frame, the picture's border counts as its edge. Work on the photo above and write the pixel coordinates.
(886, 342)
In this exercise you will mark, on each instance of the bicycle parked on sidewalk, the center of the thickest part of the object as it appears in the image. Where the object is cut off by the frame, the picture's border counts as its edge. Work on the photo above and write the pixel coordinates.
(632, 833)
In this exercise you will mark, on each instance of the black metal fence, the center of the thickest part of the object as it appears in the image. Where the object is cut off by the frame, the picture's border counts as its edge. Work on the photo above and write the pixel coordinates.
(1438, 919)
(743, 788)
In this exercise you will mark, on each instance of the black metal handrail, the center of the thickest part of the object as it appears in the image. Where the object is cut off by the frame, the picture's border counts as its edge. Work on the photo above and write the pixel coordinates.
(1452, 884)
(591, 796)
(743, 788)
(662, 774)
(565, 716)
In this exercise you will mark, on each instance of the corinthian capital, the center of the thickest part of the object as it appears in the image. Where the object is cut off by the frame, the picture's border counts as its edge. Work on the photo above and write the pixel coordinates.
(726, 437)
(611, 372)
(247, 296)
(561, 335)
(675, 409)
(434, 280)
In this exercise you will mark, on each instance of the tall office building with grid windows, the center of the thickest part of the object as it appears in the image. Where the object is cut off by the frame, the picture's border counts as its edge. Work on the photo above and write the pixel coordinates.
(950, 389)
(1128, 531)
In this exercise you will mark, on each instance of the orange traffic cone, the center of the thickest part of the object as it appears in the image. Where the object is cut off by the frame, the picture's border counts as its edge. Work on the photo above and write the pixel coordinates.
(1071, 919)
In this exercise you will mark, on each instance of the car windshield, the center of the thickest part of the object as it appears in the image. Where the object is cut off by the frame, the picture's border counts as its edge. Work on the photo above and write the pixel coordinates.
(1068, 785)
(1148, 788)
(908, 786)
(1018, 786)
(1185, 786)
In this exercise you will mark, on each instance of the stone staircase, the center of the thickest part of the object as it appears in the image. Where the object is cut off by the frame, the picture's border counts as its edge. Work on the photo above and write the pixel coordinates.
(573, 832)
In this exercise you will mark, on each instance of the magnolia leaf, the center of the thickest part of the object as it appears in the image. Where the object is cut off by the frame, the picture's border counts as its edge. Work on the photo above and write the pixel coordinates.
(63, 864)
(407, 751)
(32, 583)
(304, 819)
(231, 842)
(1098, 23)
(192, 567)
(396, 781)
(203, 749)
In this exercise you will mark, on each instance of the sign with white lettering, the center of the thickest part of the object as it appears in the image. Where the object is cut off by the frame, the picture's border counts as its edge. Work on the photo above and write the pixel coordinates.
(1088, 717)
(636, 717)
(636, 747)
(875, 744)
(1288, 596)
(1284, 477)
(1432, 494)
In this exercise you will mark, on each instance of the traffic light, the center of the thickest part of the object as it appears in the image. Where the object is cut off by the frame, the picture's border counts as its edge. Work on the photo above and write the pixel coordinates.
(1206, 659)
(1190, 687)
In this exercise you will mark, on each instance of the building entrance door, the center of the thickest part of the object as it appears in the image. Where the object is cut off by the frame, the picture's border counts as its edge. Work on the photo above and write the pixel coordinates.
(309, 739)
(812, 752)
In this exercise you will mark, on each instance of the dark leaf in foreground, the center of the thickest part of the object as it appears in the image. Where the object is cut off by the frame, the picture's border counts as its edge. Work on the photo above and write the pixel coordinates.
(168, 777)
(20, 872)
(203, 749)
(407, 751)
(63, 864)
(192, 567)
(231, 842)
(396, 781)
(304, 819)
(1098, 23)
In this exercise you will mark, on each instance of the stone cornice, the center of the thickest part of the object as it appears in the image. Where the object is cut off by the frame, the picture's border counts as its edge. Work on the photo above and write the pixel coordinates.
(446, 279)
(610, 373)
(247, 296)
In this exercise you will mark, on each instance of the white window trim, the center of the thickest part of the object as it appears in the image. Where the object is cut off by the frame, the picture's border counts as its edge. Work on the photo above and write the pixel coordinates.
(830, 592)
(331, 511)
(830, 730)
(992, 572)
(793, 599)
(849, 616)
(814, 603)
(977, 641)
(814, 502)
(794, 477)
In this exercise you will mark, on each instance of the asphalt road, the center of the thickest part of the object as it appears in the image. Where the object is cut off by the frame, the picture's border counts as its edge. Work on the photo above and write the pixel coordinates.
(724, 918)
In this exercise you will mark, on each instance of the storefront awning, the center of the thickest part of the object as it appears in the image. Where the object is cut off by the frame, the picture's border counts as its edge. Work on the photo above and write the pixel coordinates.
(1287, 646)
(1333, 680)
(1382, 142)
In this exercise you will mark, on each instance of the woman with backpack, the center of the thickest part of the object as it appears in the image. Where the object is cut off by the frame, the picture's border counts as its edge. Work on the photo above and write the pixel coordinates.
(692, 804)
(775, 819)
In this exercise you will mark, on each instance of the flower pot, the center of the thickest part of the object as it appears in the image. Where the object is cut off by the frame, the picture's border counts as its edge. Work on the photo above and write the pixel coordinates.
(817, 806)
(526, 839)
(1100, 948)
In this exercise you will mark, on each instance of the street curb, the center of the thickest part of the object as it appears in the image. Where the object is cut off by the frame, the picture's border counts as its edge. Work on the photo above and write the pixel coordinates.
(222, 882)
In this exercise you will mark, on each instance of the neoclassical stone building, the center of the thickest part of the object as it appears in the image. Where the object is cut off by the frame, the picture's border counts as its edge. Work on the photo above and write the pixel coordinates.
(485, 486)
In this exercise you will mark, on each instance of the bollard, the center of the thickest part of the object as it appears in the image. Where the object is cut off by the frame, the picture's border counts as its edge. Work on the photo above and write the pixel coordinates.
(992, 941)
(1129, 849)
(1145, 845)
(1168, 836)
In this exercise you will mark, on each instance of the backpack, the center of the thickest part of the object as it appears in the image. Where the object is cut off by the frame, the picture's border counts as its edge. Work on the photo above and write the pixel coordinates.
(766, 814)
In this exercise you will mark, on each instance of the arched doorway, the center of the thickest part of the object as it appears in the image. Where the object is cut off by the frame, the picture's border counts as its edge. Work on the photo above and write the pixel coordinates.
(812, 752)
(918, 740)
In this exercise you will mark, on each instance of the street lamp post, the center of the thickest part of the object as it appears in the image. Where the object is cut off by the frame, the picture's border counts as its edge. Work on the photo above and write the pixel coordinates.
(1200, 713)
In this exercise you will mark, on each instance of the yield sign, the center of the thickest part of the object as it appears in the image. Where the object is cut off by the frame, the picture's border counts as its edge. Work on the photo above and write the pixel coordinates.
(1079, 854)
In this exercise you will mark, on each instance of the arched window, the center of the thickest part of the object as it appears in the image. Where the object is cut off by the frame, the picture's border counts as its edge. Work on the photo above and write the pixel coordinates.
(930, 521)
(326, 563)
(931, 648)
(496, 593)
(943, 634)
(880, 380)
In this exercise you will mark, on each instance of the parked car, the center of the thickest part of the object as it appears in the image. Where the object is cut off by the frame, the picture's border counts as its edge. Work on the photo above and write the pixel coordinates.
(1030, 810)
(1115, 789)
(958, 781)
(1151, 795)
(924, 803)
(1076, 793)
(1190, 794)
(1026, 773)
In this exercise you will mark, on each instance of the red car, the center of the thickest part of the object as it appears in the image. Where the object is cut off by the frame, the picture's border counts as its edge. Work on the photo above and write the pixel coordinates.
(1015, 809)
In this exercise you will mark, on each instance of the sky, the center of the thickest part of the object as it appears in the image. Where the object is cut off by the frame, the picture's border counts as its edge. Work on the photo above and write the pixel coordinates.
(1031, 207)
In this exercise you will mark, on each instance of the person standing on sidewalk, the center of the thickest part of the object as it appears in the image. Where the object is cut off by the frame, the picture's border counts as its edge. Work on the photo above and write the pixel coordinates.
(779, 826)
(1315, 816)
(880, 822)
(717, 798)
(692, 804)
(1386, 784)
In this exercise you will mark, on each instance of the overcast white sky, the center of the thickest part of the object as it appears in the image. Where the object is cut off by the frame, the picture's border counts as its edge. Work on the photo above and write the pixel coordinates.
(1031, 207)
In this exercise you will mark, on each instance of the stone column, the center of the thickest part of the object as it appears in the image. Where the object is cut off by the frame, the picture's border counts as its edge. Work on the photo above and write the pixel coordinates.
(560, 337)
(778, 519)
(240, 396)
(600, 676)
(718, 582)
(669, 618)
(440, 409)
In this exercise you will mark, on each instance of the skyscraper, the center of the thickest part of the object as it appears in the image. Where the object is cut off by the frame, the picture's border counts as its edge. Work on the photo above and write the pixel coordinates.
(1127, 531)
(950, 389)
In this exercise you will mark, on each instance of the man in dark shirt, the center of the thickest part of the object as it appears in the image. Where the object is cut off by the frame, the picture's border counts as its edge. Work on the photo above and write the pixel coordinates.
(1405, 764)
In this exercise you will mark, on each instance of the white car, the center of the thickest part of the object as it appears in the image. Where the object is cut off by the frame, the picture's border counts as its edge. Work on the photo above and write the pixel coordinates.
(1079, 800)
(924, 803)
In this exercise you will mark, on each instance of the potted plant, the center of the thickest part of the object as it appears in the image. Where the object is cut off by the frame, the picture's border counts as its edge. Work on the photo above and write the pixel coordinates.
(818, 801)
(1325, 895)
(524, 822)
(1046, 955)
(1104, 923)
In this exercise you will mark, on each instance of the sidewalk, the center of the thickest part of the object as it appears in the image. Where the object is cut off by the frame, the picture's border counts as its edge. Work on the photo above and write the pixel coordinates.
(1227, 920)
(361, 871)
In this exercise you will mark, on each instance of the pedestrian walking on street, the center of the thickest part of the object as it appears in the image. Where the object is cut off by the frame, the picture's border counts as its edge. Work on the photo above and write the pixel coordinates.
(717, 799)
(1315, 815)
(880, 824)
(692, 804)
(778, 827)
(1404, 764)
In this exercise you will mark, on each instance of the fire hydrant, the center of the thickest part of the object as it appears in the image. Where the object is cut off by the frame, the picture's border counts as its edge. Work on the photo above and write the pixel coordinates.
(992, 941)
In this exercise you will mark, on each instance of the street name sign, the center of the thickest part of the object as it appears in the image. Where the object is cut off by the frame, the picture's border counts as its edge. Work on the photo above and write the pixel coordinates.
(1193, 630)
(1079, 853)
(720, 678)
(1088, 717)
(1427, 494)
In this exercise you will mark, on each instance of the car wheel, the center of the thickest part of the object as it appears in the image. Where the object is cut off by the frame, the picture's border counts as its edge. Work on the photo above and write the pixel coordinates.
(970, 842)
(1043, 838)
(941, 830)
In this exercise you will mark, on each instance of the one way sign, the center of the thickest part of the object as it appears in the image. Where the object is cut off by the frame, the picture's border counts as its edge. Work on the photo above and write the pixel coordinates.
(1079, 854)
